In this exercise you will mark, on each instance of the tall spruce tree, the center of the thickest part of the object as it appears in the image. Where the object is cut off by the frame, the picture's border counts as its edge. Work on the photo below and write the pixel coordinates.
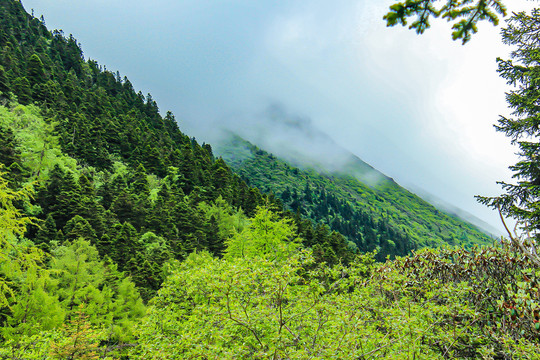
(522, 199)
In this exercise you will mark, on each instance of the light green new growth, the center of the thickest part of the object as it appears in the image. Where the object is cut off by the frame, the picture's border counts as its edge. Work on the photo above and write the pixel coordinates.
(266, 236)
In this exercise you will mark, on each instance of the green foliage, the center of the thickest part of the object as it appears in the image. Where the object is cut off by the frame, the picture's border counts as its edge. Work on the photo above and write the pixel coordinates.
(15, 259)
(35, 347)
(36, 299)
(230, 220)
(36, 72)
(38, 147)
(226, 221)
(255, 308)
(266, 236)
(111, 301)
(469, 13)
(8, 151)
(77, 228)
(34, 307)
(446, 303)
(12, 219)
(76, 339)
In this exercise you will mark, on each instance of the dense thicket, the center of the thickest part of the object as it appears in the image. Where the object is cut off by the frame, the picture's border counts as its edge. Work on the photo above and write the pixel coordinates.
(435, 304)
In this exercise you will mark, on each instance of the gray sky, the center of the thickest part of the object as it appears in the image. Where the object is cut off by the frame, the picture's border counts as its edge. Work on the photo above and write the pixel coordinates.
(418, 108)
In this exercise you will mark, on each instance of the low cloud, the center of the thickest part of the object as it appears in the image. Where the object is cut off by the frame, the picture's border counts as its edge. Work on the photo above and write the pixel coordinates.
(419, 109)
(294, 138)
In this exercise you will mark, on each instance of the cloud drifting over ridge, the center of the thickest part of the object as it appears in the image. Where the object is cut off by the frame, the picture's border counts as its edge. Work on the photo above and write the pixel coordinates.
(420, 109)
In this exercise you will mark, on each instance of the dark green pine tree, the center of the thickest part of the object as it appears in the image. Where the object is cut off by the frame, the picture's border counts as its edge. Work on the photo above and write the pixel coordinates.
(89, 207)
(339, 244)
(68, 200)
(147, 268)
(61, 197)
(305, 229)
(105, 246)
(521, 200)
(139, 182)
(286, 195)
(160, 218)
(329, 255)
(140, 193)
(321, 234)
(104, 192)
(22, 88)
(222, 179)
(215, 243)
(209, 151)
(308, 196)
(112, 189)
(147, 275)
(154, 161)
(125, 244)
(252, 199)
(188, 224)
(35, 70)
(371, 239)
(4, 81)
(9, 154)
(78, 227)
(318, 253)
(46, 233)
(124, 207)
(187, 168)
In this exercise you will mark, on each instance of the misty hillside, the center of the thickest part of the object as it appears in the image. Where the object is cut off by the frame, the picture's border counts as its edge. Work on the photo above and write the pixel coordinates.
(370, 209)
(121, 237)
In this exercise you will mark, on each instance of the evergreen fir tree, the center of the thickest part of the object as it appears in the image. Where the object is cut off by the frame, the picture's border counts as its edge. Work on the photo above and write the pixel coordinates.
(89, 207)
(78, 227)
(10, 156)
(46, 234)
(215, 243)
(36, 73)
(126, 245)
(22, 88)
(522, 198)
(4, 82)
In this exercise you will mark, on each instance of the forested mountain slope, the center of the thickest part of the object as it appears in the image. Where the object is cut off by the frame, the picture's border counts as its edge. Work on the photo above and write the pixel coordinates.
(106, 166)
(372, 214)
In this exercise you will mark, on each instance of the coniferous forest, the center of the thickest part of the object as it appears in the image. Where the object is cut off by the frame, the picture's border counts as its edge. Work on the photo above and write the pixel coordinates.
(123, 238)
(383, 217)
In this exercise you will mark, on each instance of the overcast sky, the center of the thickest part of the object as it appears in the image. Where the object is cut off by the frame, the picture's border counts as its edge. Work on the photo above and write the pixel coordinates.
(418, 108)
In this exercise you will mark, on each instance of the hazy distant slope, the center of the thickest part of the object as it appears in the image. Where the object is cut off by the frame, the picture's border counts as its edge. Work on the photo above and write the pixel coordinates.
(379, 213)
(457, 212)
